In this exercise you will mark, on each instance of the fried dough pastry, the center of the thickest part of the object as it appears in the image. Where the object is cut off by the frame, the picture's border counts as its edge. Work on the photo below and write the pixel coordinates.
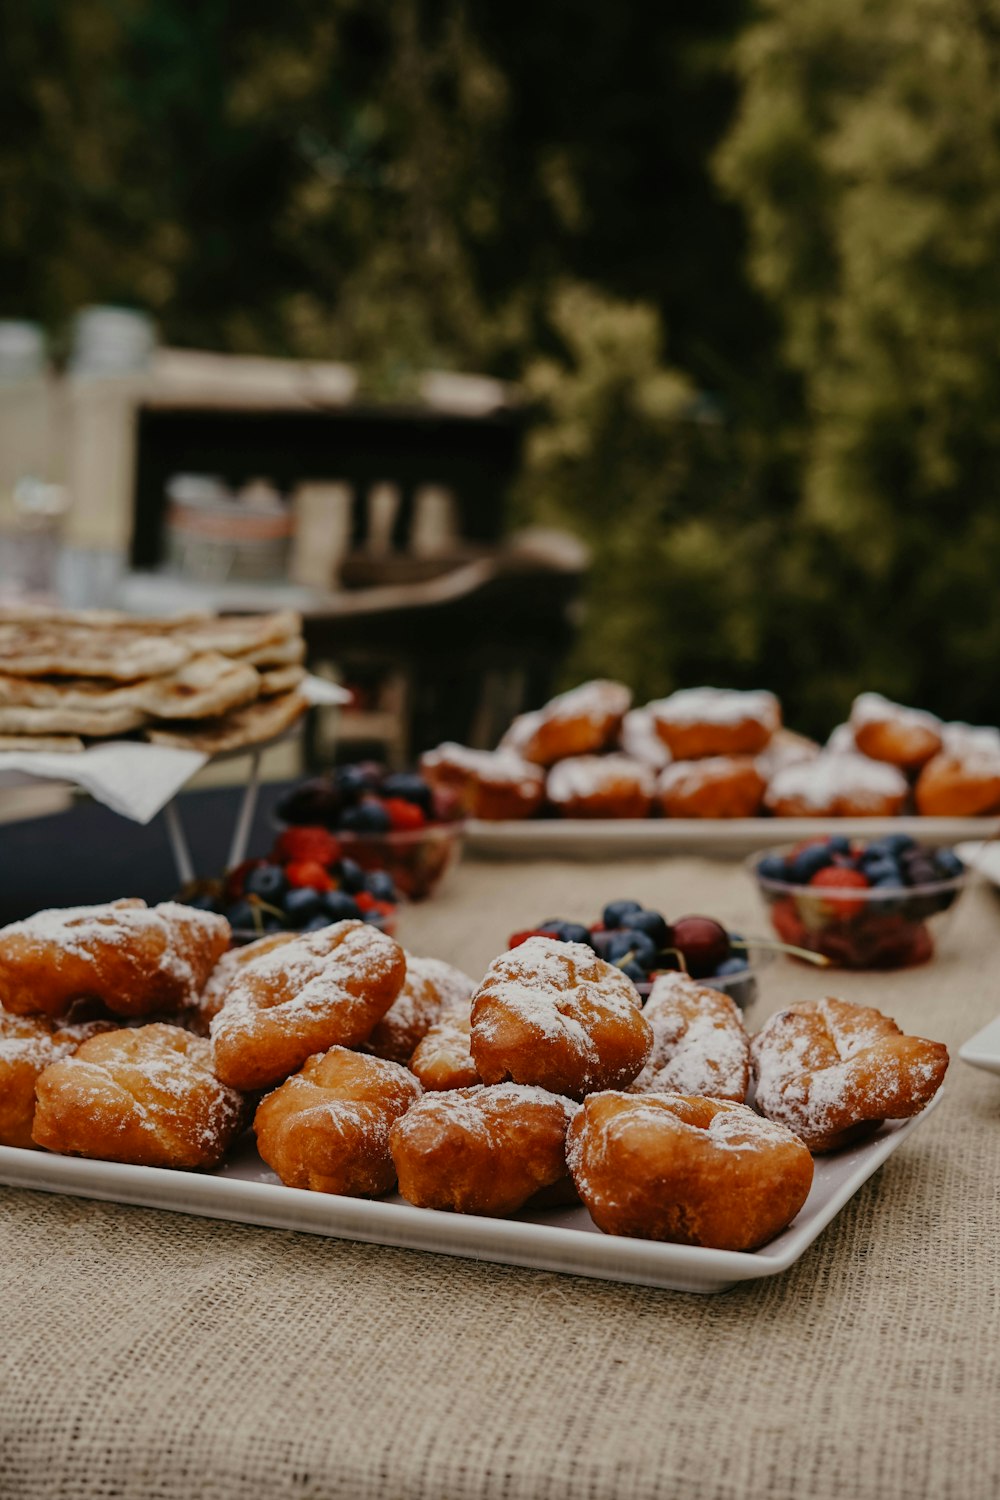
(138, 960)
(697, 722)
(482, 1150)
(963, 781)
(431, 988)
(721, 786)
(691, 1171)
(833, 1072)
(206, 1007)
(145, 1095)
(837, 785)
(905, 737)
(28, 1044)
(556, 1015)
(443, 1060)
(327, 1127)
(600, 786)
(324, 989)
(583, 721)
(491, 784)
(700, 1045)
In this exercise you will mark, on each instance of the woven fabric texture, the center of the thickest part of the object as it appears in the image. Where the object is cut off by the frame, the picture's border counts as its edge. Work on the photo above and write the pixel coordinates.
(148, 1354)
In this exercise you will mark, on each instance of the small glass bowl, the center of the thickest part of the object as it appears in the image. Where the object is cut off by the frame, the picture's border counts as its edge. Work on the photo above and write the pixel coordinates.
(894, 927)
(741, 987)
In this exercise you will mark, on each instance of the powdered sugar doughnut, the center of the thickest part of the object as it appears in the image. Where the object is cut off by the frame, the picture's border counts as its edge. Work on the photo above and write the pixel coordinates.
(639, 739)
(600, 786)
(832, 1072)
(145, 1095)
(581, 722)
(28, 1044)
(700, 1045)
(327, 1127)
(837, 786)
(963, 781)
(325, 989)
(905, 737)
(483, 1150)
(556, 1015)
(491, 784)
(841, 741)
(695, 722)
(431, 988)
(137, 960)
(721, 786)
(787, 748)
(212, 998)
(519, 732)
(687, 1170)
(443, 1060)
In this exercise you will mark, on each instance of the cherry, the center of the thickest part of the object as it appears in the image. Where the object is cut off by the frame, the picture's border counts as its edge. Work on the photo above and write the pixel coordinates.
(703, 942)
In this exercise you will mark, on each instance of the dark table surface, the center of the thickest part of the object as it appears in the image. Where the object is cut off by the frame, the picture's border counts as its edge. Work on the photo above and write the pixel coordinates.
(90, 854)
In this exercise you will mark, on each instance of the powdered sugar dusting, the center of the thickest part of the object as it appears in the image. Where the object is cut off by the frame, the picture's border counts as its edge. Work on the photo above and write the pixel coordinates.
(587, 775)
(639, 739)
(718, 706)
(821, 783)
(872, 708)
(495, 767)
(595, 701)
(699, 1042)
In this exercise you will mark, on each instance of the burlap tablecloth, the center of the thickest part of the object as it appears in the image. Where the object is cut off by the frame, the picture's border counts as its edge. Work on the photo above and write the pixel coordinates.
(151, 1354)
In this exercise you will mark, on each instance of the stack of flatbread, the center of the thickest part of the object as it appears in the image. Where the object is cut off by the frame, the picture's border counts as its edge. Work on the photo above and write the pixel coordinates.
(198, 681)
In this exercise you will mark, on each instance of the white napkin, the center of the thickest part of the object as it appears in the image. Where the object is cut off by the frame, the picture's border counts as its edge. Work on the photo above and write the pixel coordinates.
(133, 779)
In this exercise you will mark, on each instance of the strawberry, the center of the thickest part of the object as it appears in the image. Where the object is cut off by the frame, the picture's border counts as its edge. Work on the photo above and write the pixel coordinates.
(365, 900)
(306, 843)
(308, 873)
(838, 878)
(403, 815)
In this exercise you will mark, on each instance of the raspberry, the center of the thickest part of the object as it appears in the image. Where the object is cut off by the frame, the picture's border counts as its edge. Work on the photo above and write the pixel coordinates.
(236, 879)
(838, 878)
(308, 873)
(308, 844)
(366, 901)
(403, 815)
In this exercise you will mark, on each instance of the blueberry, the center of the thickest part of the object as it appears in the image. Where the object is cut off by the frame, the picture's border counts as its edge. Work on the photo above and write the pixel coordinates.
(317, 801)
(367, 817)
(949, 866)
(268, 882)
(838, 844)
(601, 943)
(316, 924)
(411, 788)
(653, 925)
(353, 781)
(380, 884)
(883, 872)
(616, 946)
(773, 867)
(351, 876)
(877, 849)
(805, 865)
(240, 915)
(642, 947)
(615, 912)
(731, 966)
(573, 932)
(202, 902)
(923, 871)
(634, 971)
(338, 906)
(301, 905)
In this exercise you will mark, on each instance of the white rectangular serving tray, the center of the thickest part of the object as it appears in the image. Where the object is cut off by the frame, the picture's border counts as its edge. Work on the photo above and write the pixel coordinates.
(725, 838)
(563, 1239)
(983, 1049)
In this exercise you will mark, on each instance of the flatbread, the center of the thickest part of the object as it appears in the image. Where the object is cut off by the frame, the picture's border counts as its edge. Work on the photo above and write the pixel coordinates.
(15, 719)
(289, 652)
(252, 725)
(32, 649)
(56, 744)
(280, 680)
(104, 619)
(202, 688)
(234, 635)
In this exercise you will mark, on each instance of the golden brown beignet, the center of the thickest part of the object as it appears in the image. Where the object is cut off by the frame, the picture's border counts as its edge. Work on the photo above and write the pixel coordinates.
(138, 960)
(700, 1045)
(145, 1095)
(556, 1015)
(212, 998)
(327, 1127)
(443, 1060)
(325, 989)
(495, 785)
(28, 1044)
(583, 721)
(837, 785)
(696, 722)
(832, 1072)
(431, 988)
(600, 786)
(905, 737)
(691, 1171)
(721, 786)
(481, 1150)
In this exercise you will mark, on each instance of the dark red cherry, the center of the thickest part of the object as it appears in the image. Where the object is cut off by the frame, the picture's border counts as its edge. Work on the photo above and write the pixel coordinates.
(703, 942)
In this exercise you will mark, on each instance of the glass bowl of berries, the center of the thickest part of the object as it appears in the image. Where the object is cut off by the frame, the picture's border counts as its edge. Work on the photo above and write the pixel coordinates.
(861, 904)
(306, 883)
(382, 820)
(643, 944)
